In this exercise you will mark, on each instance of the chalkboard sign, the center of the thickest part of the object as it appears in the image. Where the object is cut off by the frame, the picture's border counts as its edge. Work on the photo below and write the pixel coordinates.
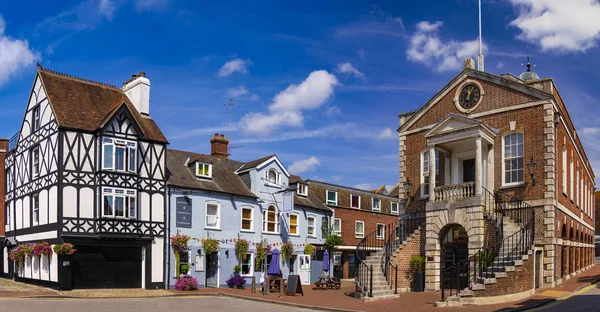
(294, 286)
(183, 210)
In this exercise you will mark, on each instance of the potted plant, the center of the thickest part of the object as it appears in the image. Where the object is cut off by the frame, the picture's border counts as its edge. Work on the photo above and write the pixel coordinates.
(417, 267)
(287, 249)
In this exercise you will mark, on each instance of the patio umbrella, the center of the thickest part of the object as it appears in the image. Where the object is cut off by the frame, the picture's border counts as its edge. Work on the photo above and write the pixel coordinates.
(274, 265)
(326, 261)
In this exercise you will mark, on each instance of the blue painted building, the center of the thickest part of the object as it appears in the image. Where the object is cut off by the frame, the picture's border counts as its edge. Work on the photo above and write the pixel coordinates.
(213, 196)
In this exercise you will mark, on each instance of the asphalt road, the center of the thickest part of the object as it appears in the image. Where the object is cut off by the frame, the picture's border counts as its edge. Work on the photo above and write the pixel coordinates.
(588, 300)
(145, 305)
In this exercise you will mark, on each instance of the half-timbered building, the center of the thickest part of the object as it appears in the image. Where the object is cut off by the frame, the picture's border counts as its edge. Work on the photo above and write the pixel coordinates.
(87, 167)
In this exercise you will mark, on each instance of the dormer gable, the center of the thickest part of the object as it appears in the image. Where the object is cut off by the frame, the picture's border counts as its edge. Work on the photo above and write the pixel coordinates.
(120, 122)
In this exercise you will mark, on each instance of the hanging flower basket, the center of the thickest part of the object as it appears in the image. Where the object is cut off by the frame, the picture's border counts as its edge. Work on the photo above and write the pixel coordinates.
(17, 255)
(210, 245)
(241, 249)
(262, 250)
(64, 249)
(179, 242)
(309, 249)
(287, 249)
(27, 248)
(42, 248)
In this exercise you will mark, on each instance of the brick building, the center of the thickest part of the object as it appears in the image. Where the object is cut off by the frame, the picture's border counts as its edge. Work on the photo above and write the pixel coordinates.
(597, 209)
(357, 213)
(496, 165)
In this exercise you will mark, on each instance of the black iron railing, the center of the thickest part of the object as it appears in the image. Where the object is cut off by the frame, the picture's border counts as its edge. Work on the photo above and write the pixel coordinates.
(496, 254)
(384, 240)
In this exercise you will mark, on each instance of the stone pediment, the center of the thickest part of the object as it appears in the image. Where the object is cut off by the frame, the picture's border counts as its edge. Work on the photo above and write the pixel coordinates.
(453, 123)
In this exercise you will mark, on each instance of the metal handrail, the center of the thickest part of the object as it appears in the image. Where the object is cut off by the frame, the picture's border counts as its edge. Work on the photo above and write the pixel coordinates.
(497, 254)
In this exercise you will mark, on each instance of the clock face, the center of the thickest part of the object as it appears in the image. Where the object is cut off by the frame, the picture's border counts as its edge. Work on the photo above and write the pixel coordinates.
(469, 96)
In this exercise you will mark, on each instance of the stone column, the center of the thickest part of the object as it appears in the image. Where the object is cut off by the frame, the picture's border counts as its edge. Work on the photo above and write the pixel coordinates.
(490, 169)
(447, 169)
(432, 173)
(478, 165)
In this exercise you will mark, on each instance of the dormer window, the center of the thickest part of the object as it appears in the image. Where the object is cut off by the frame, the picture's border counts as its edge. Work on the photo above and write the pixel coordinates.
(273, 176)
(302, 189)
(203, 170)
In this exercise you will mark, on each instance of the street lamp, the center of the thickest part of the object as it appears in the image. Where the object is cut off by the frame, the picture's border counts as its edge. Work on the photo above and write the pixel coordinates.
(531, 167)
(408, 187)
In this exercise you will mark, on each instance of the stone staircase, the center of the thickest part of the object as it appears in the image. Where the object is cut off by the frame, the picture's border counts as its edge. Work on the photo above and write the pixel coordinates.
(381, 289)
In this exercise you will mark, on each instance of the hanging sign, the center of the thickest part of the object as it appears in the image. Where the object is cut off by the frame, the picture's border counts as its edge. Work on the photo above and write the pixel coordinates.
(183, 210)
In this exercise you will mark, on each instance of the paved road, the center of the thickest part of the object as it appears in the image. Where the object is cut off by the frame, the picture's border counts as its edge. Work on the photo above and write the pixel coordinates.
(583, 302)
(145, 305)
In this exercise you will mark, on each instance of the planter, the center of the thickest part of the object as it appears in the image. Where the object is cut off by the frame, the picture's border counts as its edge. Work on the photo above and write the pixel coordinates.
(418, 282)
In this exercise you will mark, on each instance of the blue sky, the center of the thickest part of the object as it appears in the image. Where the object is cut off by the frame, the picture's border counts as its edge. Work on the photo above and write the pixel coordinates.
(321, 82)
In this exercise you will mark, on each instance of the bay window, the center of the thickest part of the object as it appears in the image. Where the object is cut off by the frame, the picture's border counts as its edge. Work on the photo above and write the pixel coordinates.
(120, 203)
(119, 155)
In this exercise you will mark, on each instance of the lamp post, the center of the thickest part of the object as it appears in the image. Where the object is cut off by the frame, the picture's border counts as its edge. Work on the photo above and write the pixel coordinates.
(408, 187)
(531, 167)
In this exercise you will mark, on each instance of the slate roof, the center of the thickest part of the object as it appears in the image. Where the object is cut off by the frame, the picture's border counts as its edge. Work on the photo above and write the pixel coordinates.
(81, 104)
(224, 179)
(254, 163)
(310, 201)
(395, 191)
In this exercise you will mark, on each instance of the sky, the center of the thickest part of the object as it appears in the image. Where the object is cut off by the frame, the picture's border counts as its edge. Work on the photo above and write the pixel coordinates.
(319, 83)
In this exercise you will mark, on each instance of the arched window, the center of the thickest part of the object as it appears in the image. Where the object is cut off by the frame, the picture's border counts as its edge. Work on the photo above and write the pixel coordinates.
(512, 159)
(270, 220)
(273, 176)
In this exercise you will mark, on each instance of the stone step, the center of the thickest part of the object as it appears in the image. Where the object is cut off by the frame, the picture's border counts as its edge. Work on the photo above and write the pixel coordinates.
(385, 297)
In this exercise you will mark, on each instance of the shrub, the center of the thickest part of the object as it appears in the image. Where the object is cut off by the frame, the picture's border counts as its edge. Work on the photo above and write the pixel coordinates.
(42, 248)
(485, 258)
(309, 249)
(186, 283)
(241, 249)
(237, 269)
(184, 269)
(210, 245)
(417, 263)
(64, 249)
(236, 281)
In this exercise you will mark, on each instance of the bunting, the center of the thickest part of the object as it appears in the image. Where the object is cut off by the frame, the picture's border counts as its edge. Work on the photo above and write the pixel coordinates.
(232, 241)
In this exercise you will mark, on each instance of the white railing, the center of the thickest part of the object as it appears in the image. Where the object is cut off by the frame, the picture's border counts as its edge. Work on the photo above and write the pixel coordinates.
(454, 191)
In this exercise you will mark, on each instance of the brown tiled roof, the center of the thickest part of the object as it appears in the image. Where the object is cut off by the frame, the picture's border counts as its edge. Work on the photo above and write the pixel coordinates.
(224, 179)
(254, 163)
(295, 179)
(86, 105)
(395, 191)
(310, 201)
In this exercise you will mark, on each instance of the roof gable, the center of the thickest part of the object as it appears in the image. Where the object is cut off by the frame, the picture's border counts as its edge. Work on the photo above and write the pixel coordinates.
(121, 120)
(261, 163)
(451, 123)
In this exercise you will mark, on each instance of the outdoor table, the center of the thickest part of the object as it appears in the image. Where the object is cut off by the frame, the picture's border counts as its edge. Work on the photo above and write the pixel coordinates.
(276, 283)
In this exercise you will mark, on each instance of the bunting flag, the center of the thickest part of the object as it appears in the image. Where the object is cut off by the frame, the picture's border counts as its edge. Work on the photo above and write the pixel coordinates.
(232, 241)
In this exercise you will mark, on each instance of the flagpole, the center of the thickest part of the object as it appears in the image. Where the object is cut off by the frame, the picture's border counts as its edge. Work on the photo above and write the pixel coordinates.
(480, 56)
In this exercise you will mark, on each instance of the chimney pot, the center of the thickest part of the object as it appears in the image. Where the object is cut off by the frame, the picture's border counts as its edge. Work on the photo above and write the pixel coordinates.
(216, 135)
(222, 135)
(469, 63)
(142, 74)
(138, 91)
(219, 146)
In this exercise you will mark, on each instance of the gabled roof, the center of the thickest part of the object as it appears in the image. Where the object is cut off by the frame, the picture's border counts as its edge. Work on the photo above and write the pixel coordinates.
(85, 105)
(261, 162)
(491, 78)
(395, 191)
(295, 179)
(224, 179)
(380, 190)
(454, 122)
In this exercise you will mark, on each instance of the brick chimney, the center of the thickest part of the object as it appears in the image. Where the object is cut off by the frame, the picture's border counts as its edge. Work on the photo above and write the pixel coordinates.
(219, 146)
(137, 90)
(3, 151)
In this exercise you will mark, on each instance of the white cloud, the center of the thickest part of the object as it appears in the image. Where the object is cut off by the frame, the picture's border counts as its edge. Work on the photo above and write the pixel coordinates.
(499, 65)
(287, 106)
(347, 68)
(333, 111)
(386, 133)
(241, 93)
(304, 165)
(361, 53)
(559, 25)
(235, 65)
(591, 130)
(365, 186)
(426, 47)
(347, 131)
(15, 55)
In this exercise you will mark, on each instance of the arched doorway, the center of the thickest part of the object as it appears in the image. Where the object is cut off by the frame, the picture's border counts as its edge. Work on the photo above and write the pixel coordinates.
(454, 243)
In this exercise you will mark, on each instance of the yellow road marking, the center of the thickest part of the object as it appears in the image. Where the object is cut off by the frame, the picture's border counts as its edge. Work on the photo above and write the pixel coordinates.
(553, 293)
(561, 300)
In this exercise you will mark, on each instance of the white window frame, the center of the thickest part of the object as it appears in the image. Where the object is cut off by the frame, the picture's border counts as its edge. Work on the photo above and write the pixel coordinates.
(380, 237)
(564, 169)
(251, 219)
(504, 159)
(337, 231)
(378, 208)
(297, 224)
(198, 164)
(214, 203)
(128, 161)
(327, 197)
(37, 118)
(302, 189)
(357, 234)
(127, 195)
(35, 162)
(249, 255)
(577, 188)
(265, 220)
(394, 211)
(314, 226)
(358, 201)
(277, 177)
(36, 208)
(425, 174)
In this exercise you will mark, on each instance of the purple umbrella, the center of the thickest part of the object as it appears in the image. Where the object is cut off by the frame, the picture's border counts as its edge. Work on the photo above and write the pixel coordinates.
(326, 261)
(274, 265)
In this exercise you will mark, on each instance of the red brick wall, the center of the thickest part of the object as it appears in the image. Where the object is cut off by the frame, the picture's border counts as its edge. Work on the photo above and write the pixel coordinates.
(517, 281)
(414, 246)
(3, 150)
(348, 216)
